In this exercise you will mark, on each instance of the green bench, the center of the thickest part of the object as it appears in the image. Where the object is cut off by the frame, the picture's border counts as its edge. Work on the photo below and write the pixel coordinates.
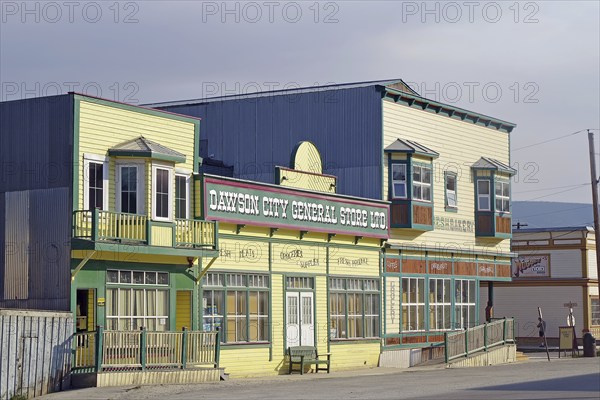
(307, 355)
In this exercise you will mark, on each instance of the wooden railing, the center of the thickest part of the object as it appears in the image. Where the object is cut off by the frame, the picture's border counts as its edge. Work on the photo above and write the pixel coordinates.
(99, 225)
(193, 233)
(109, 225)
(138, 350)
(479, 338)
(84, 354)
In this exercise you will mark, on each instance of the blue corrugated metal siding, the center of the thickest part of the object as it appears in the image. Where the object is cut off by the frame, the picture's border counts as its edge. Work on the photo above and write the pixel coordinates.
(36, 147)
(36, 143)
(50, 247)
(256, 134)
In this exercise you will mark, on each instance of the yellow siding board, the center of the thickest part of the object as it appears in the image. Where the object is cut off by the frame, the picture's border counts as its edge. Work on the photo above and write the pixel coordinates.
(162, 236)
(102, 127)
(459, 144)
(242, 255)
(299, 258)
(91, 312)
(354, 355)
(183, 310)
(353, 262)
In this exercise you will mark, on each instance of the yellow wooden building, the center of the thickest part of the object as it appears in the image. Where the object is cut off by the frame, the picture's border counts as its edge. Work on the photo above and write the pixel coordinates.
(296, 267)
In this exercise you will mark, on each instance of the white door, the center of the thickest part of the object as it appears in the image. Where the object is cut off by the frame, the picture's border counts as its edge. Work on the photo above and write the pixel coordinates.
(300, 326)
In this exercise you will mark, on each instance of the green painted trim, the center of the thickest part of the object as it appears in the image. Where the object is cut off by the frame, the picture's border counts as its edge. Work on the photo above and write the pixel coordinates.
(337, 342)
(327, 288)
(146, 154)
(76, 161)
(196, 158)
(82, 244)
(270, 303)
(252, 345)
(470, 116)
(138, 109)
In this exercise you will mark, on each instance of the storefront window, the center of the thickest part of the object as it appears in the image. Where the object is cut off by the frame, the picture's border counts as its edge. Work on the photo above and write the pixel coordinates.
(354, 308)
(238, 305)
(465, 303)
(131, 308)
(440, 304)
(595, 306)
(413, 304)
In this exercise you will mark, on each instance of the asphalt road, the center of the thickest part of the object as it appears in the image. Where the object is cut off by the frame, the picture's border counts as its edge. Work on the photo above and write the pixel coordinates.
(537, 379)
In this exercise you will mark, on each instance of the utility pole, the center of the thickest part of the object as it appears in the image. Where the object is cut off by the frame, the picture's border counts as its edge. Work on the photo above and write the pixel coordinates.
(595, 198)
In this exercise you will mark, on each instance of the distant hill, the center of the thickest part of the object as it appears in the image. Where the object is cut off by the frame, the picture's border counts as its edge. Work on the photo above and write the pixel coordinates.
(546, 214)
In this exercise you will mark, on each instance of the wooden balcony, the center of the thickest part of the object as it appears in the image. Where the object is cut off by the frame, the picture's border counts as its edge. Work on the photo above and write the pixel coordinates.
(109, 227)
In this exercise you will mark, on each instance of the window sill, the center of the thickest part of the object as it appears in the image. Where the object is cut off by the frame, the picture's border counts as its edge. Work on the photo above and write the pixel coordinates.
(451, 209)
(242, 345)
(354, 340)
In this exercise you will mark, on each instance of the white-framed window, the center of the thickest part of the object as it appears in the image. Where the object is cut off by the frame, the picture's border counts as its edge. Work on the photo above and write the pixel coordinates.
(399, 181)
(136, 299)
(451, 200)
(129, 184)
(182, 195)
(95, 182)
(483, 195)
(440, 304)
(162, 193)
(502, 196)
(464, 303)
(421, 184)
(413, 304)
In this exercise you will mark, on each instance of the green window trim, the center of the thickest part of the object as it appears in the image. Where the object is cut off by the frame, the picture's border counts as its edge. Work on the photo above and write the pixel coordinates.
(241, 287)
(354, 308)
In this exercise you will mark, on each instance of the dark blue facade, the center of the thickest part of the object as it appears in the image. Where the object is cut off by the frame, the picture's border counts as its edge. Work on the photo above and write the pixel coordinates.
(36, 143)
(257, 133)
(36, 164)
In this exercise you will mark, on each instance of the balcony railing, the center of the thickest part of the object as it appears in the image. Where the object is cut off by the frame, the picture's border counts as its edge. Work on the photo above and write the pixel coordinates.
(110, 226)
(138, 350)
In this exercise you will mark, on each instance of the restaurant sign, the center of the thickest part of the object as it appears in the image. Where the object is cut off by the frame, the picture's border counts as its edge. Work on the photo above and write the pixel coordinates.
(531, 266)
(242, 202)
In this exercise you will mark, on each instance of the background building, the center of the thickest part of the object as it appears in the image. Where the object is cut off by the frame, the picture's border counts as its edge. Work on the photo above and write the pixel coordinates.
(556, 269)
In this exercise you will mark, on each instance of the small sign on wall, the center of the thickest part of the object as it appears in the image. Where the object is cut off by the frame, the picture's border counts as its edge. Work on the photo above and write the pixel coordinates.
(531, 266)
(101, 301)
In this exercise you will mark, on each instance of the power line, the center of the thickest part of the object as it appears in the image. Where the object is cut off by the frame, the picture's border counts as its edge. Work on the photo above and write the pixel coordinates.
(549, 140)
(561, 191)
(551, 188)
(555, 212)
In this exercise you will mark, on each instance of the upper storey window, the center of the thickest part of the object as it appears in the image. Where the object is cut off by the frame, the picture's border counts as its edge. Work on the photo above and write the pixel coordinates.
(411, 184)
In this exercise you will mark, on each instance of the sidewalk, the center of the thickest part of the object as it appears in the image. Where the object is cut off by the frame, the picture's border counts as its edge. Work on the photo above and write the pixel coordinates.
(109, 393)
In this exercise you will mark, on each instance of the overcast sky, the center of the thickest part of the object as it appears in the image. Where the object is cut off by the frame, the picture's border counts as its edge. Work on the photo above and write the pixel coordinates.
(536, 64)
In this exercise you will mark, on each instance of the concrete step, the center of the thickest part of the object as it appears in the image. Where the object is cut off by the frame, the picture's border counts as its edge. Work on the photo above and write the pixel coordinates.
(521, 356)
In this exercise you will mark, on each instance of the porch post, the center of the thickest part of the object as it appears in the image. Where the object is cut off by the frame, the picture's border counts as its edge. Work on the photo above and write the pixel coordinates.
(99, 347)
(184, 339)
(143, 348)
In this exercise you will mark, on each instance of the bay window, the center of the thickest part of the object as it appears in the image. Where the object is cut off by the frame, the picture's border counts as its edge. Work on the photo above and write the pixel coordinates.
(421, 184)
(399, 180)
(483, 195)
(502, 196)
